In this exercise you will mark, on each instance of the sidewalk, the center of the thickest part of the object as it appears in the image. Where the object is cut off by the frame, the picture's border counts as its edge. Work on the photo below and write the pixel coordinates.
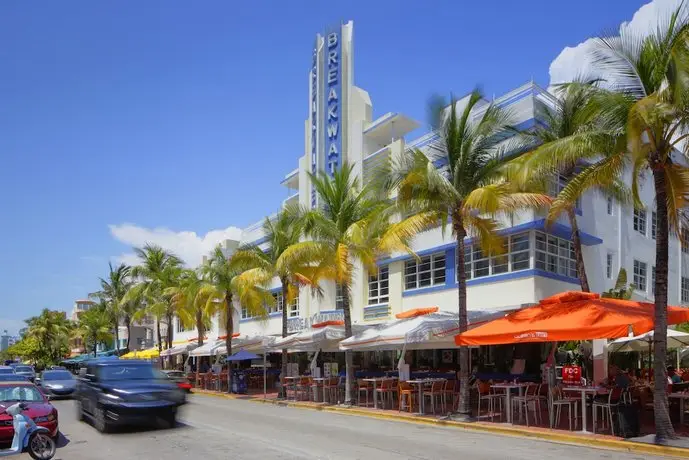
(641, 445)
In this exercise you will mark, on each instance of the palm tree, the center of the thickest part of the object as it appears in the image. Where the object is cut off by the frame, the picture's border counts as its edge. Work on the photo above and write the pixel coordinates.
(159, 270)
(280, 233)
(52, 331)
(112, 293)
(622, 290)
(221, 286)
(471, 190)
(571, 133)
(94, 327)
(189, 305)
(352, 224)
(649, 78)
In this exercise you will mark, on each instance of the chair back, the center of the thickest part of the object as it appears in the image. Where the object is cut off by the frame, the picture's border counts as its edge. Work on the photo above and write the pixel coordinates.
(531, 390)
(437, 386)
(614, 395)
(404, 386)
(361, 383)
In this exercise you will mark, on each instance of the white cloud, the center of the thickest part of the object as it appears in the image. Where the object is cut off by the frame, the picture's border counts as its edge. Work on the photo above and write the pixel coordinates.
(187, 245)
(574, 62)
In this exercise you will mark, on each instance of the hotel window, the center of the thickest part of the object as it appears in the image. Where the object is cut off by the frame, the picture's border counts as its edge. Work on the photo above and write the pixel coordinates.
(640, 221)
(425, 272)
(557, 184)
(278, 304)
(653, 280)
(555, 255)
(684, 237)
(640, 269)
(515, 257)
(245, 313)
(608, 265)
(339, 297)
(293, 310)
(180, 326)
(654, 224)
(685, 290)
(378, 287)
(609, 203)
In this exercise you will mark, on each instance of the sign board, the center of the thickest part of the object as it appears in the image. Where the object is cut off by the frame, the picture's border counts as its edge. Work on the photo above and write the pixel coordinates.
(571, 375)
(299, 324)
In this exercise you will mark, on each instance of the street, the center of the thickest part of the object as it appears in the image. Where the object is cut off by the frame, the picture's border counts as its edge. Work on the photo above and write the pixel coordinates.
(214, 428)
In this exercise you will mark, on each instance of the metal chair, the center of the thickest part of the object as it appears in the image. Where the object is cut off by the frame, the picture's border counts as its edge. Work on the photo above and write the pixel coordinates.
(606, 408)
(365, 388)
(485, 394)
(406, 394)
(531, 398)
(558, 402)
(435, 393)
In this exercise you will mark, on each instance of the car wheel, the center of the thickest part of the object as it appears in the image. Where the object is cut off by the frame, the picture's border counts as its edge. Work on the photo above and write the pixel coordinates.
(100, 422)
(169, 420)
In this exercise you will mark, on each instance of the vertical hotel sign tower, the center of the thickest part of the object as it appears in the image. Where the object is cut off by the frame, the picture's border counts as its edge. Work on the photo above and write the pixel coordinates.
(330, 79)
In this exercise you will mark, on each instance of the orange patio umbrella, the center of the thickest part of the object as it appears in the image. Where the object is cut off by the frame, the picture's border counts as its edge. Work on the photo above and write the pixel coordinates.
(570, 315)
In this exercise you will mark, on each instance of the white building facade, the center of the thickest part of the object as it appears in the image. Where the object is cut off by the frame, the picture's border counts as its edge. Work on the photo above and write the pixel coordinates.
(340, 127)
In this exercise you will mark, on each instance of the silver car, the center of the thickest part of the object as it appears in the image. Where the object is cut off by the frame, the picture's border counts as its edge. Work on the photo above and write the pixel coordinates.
(25, 371)
(57, 384)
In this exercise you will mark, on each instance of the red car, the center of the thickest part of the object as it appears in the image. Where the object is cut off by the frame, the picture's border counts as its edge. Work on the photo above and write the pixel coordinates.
(39, 408)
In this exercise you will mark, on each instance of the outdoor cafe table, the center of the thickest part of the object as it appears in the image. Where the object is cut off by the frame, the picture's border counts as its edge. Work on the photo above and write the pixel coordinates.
(584, 390)
(508, 395)
(421, 383)
(375, 386)
(681, 396)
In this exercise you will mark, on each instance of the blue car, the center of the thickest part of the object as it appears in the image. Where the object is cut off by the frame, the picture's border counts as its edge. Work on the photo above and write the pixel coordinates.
(118, 392)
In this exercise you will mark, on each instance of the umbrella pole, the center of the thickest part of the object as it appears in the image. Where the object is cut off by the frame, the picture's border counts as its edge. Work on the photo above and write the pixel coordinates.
(264, 375)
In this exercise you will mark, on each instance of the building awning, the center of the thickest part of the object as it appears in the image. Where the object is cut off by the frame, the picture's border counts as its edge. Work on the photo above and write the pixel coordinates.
(208, 348)
(179, 349)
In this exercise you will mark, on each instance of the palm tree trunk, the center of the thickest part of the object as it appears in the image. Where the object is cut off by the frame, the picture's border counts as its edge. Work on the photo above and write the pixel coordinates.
(168, 318)
(663, 423)
(229, 330)
(464, 354)
(160, 337)
(349, 358)
(199, 339)
(128, 325)
(117, 337)
(284, 334)
(578, 254)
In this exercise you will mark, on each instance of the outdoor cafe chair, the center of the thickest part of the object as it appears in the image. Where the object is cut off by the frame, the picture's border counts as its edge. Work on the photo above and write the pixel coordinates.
(558, 402)
(435, 393)
(487, 396)
(606, 408)
(331, 387)
(406, 397)
(365, 388)
(304, 388)
(531, 398)
(451, 391)
(385, 392)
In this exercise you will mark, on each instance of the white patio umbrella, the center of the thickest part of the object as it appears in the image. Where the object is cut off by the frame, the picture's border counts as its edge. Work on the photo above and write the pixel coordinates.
(179, 349)
(320, 337)
(643, 342)
(416, 332)
(207, 349)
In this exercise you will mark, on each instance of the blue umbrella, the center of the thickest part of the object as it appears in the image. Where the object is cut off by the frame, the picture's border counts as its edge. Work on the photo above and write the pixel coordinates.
(242, 356)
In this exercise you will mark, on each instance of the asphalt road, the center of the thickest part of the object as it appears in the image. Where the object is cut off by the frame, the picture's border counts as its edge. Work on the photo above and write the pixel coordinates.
(213, 428)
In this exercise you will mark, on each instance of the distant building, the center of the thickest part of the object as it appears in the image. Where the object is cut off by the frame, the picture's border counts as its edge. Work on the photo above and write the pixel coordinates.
(5, 340)
(76, 344)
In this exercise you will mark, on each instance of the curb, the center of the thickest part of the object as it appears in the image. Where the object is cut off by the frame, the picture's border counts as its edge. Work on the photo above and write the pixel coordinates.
(563, 438)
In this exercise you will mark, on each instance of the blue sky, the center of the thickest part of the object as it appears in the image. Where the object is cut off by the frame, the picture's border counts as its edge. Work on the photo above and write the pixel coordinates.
(185, 115)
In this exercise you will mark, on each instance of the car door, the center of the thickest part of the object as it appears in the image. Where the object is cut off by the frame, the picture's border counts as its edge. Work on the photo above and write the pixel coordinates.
(88, 391)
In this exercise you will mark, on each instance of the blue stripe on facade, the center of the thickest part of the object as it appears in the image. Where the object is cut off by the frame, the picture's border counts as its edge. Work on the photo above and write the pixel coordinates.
(452, 284)
(556, 229)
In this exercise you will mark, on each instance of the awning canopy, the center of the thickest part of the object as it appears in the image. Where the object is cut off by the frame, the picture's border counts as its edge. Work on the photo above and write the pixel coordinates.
(415, 331)
(179, 349)
(254, 343)
(149, 353)
(675, 339)
(208, 348)
(570, 316)
(321, 336)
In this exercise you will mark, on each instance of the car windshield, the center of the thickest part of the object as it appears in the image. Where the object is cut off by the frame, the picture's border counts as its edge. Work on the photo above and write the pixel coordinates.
(57, 375)
(6, 370)
(19, 393)
(23, 369)
(12, 378)
(130, 372)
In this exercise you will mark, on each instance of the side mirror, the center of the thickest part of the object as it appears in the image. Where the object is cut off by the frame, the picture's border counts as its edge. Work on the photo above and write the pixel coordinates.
(37, 380)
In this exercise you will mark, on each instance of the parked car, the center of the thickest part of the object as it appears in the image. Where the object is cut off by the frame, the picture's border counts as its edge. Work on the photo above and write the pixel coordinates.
(26, 371)
(57, 368)
(12, 378)
(57, 384)
(6, 370)
(114, 392)
(39, 408)
(180, 379)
